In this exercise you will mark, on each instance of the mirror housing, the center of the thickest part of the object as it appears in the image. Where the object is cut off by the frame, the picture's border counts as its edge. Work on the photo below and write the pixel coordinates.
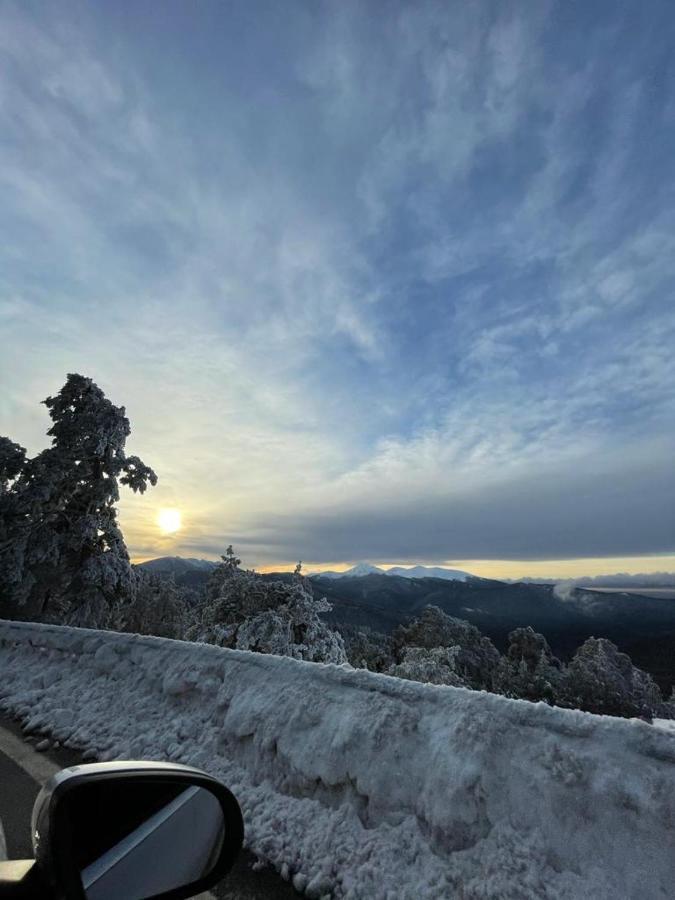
(135, 830)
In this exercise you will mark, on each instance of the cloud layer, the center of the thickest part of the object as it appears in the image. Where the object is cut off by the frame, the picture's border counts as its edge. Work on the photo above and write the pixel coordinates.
(395, 288)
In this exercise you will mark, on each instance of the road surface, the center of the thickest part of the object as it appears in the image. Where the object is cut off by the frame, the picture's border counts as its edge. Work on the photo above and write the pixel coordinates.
(22, 772)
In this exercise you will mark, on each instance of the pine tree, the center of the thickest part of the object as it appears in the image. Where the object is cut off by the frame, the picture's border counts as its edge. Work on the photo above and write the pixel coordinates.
(433, 665)
(476, 658)
(601, 679)
(245, 611)
(367, 649)
(63, 556)
(529, 670)
(155, 605)
(12, 462)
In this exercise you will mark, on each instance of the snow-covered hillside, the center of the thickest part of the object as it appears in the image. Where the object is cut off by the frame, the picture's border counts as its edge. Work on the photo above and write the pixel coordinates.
(359, 785)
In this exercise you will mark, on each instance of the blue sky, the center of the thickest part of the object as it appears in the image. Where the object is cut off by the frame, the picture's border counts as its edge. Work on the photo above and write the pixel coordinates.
(372, 282)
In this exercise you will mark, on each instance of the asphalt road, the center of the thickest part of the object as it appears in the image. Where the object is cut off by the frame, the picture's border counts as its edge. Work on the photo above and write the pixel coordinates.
(23, 769)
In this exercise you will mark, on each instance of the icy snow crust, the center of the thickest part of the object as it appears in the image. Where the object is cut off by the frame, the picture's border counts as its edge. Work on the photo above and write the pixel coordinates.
(360, 785)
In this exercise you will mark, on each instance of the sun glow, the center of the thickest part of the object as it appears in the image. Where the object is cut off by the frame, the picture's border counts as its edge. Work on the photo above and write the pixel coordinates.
(169, 520)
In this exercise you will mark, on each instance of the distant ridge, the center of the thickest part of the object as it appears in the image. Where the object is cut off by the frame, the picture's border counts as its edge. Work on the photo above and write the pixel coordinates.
(186, 571)
(170, 563)
(429, 572)
(181, 566)
(357, 571)
(363, 568)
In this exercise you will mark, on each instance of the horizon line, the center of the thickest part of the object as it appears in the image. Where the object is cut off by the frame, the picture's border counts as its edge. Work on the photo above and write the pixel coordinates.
(498, 570)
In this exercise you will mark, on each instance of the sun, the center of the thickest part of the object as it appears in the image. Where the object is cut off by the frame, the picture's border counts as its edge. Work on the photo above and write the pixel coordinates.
(169, 520)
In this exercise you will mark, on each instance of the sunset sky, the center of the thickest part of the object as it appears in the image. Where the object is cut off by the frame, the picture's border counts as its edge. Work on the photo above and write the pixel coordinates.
(387, 282)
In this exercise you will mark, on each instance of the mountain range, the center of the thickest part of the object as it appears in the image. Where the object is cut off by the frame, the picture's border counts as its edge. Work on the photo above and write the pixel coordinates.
(368, 597)
(181, 566)
(364, 568)
(643, 627)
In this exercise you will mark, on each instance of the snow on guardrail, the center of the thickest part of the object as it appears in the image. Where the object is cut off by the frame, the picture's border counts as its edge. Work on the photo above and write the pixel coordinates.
(360, 785)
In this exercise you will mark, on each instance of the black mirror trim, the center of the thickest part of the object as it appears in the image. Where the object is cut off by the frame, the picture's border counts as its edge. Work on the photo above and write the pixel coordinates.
(50, 837)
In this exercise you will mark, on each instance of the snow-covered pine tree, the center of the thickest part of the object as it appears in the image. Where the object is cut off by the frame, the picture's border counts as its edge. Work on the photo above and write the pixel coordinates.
(476, 658)
(155, 605)
(248, 612)
(232, 595)
(601, 679)
(63, 556)
(367, 649)
(433, 665)
(12, 462)
(529, 670)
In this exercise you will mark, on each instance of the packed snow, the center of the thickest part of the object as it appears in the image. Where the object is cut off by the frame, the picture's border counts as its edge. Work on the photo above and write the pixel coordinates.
(358, 785)
(665, 725)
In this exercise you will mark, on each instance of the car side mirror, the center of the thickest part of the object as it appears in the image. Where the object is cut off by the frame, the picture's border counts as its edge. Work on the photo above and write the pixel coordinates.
(136, 830)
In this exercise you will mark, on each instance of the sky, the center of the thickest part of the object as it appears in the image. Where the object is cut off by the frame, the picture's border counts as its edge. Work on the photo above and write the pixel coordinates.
(373, 282)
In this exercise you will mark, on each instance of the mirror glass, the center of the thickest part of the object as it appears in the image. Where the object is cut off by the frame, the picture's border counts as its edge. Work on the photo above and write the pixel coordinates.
(136, 838)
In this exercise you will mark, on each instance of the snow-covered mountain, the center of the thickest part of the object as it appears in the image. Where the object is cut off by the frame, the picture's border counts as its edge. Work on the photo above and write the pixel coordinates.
(357, 571)
(185, 567)
(429, 572)
(364, 568)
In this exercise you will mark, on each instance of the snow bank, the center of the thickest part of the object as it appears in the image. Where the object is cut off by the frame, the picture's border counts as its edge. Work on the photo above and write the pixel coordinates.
(665, 725)
(359, 785)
